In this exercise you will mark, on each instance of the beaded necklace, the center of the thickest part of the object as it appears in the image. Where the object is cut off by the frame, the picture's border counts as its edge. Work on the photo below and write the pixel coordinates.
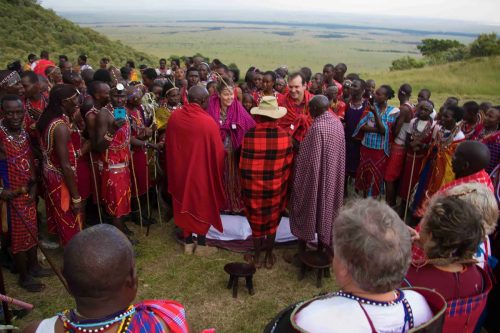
(71, 325)
(485, 133)
(33, 112)
(416, 134)
(173, 108)
(446, 139)
(17, 141)
(468, 129)
(400, 299)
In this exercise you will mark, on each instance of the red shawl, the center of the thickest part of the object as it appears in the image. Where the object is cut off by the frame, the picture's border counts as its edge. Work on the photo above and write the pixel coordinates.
(478, 177)
(297, 119)
(195, 164)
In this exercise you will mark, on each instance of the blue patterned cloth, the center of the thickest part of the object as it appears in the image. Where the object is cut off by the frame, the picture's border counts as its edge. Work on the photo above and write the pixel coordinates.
(376, 140)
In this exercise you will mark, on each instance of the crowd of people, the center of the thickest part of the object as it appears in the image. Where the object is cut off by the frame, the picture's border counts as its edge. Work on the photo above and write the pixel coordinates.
(193, 141)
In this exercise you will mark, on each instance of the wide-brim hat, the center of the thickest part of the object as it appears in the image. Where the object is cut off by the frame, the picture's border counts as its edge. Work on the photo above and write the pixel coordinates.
(269, 107)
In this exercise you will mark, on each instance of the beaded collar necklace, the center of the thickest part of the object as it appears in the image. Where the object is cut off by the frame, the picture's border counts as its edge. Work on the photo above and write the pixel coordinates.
(33, 112)
(400, 299)
(446, 137)
(19, 140)
(427, 129)
(486, 133)
(71, 325)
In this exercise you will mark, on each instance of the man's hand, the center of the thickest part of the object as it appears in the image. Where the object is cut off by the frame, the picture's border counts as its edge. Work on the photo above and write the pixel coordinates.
(118, 123)
(156, 146)
(76, 207)
(148, 132)
(7, 195)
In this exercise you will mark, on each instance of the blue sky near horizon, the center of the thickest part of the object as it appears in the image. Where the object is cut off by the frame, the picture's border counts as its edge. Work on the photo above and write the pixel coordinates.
(479, 11)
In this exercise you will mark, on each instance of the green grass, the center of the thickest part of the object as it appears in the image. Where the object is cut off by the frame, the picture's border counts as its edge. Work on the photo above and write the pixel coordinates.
(198, 283)
(266, 47)
(475, 79)
(26, 27)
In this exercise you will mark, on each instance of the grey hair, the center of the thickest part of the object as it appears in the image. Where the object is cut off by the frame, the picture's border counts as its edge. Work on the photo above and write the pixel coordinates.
(374, 243)
(481, 197)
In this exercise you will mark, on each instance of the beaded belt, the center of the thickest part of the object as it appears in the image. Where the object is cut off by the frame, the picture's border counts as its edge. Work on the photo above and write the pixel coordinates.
(118, 165)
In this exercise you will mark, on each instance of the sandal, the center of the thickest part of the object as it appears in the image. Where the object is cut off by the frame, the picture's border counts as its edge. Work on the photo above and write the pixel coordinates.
(270, 261)
(250, 258)
(41, 272)
(31, 285)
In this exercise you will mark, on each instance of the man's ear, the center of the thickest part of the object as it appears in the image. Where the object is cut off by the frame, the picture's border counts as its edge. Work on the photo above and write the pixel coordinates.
(466, 165)
(132, 280)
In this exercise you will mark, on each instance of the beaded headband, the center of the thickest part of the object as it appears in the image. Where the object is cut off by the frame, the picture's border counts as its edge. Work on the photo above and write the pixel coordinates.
(72, 96)
(10, 80)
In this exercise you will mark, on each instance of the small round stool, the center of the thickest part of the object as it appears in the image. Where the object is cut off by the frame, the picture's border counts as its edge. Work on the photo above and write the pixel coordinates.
(237, 270)
(320, 261)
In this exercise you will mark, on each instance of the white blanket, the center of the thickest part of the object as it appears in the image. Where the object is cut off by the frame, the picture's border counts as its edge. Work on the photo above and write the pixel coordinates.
(237, 228)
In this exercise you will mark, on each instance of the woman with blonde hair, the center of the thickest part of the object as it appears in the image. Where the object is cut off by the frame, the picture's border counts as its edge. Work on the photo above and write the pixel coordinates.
(481, 197)
(451, 231)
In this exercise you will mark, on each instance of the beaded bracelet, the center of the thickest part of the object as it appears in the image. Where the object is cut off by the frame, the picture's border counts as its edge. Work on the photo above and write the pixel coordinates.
(108, 137)
(76, 200)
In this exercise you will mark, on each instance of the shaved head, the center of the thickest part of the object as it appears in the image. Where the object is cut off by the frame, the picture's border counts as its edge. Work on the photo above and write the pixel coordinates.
(318, 105)
(98, 261)
(470, 157)
(198, 95)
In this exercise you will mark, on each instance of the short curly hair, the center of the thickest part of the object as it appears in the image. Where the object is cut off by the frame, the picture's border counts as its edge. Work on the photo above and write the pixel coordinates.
(455, 228)
(374, 243)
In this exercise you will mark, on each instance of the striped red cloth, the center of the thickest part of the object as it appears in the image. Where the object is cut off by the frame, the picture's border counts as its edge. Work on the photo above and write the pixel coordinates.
(152, 315)
(265, 165)
(16, 171)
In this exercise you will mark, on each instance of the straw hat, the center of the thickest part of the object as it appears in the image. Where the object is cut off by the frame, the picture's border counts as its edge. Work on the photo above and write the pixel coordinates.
(269, 107)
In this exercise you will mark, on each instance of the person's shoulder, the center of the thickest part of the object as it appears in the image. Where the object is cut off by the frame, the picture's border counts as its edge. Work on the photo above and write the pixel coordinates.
(332, 314)
(414, 297)
(422, 312)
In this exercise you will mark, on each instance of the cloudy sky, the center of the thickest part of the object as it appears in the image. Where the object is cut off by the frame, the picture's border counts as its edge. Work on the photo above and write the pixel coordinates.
(479, 11)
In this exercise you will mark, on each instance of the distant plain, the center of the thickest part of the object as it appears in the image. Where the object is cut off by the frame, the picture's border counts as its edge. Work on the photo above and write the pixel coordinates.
(268, 45)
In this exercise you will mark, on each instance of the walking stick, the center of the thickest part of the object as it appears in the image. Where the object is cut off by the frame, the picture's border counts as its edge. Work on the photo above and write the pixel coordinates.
(157, 187)
(95, 186)
(409, 186)
(5, 304)
(135, 185)
(16, 302)
(147, 185)
(51, 263)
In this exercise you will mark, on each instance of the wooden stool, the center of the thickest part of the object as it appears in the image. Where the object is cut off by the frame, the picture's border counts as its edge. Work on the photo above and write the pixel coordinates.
(237, 270)
(315, 260)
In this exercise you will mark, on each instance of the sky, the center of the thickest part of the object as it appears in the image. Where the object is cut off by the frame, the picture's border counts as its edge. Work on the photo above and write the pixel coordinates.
(478, 11)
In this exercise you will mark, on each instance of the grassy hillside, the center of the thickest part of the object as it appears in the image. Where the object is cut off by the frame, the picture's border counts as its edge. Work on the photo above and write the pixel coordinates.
(26, 28)
(475, 79)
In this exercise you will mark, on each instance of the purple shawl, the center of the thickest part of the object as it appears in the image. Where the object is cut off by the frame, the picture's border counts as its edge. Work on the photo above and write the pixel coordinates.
(237, 123)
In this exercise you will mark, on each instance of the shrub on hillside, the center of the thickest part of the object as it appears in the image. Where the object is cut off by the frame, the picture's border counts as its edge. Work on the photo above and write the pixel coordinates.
(451, 55)
(485, 45)
(430, 46)
(406, 63)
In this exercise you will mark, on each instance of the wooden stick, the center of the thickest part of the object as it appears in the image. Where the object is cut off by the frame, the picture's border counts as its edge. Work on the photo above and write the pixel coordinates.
(135, 185)
(51, 263)
(409, 186)
(16, 302)
(147, 185)
(96, 189)
(5, 305)
(156, 183)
